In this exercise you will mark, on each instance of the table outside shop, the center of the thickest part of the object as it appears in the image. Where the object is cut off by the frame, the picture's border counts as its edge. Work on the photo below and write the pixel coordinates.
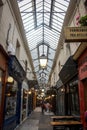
(76, 125)
(62, 118)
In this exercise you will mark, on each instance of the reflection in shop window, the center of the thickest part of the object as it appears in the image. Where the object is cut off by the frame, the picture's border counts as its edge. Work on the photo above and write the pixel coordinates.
(11, 99)
(74, 100)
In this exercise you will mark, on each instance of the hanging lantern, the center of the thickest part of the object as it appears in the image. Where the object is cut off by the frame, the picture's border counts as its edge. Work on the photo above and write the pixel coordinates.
(43, 61)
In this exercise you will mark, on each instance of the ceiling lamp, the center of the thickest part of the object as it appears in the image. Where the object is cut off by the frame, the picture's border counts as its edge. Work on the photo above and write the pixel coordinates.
(43, 61)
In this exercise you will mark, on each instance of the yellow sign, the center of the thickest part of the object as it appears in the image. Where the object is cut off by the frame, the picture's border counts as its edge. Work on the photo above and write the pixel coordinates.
(75, 34)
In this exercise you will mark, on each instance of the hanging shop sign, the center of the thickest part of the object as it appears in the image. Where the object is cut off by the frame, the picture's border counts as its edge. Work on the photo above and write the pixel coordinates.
(82, 65)
(75, 34)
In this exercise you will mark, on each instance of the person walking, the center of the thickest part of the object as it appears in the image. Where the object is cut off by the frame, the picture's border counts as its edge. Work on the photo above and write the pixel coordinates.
(42, 107)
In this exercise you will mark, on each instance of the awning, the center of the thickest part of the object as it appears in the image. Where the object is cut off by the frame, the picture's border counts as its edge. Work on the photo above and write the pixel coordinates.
(15, 68)
(69, 70)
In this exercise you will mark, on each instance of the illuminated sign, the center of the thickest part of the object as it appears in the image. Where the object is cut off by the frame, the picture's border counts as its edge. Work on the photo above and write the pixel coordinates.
(75, 34)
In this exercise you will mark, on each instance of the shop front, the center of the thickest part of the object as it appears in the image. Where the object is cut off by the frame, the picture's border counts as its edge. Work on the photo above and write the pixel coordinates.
(33, 85)
(82, 68)
(69, 77)
(3, 78)
(60, 104)
(12, 108)
(24, 100)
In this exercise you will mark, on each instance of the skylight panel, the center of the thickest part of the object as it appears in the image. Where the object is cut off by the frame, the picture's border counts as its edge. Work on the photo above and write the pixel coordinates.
(39, 8)
(62, 6)
(54, 36)
(47, 2)
(26, 10)
(57, 18)
(26, 7)
(38, 1)
(47, 7)
(24, 2)
(29, 24)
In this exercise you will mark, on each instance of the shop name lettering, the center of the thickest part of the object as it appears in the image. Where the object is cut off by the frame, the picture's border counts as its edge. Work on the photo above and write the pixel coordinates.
(78, 32)
(78, 35)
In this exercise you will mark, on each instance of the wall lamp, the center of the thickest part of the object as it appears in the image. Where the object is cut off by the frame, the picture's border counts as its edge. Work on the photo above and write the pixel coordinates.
(10, 79)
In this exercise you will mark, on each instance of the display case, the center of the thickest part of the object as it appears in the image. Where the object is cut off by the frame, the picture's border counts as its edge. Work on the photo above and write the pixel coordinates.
(11, 99)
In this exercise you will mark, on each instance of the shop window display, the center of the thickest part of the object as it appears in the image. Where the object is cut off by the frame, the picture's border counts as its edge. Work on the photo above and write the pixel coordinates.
(11, 98)
(24, 104)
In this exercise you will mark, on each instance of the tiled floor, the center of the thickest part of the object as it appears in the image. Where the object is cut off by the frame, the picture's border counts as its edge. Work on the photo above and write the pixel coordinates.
(37, 121)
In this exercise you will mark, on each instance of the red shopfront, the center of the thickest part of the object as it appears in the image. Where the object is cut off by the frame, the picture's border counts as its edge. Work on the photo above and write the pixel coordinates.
(82, 68)
(3, 77)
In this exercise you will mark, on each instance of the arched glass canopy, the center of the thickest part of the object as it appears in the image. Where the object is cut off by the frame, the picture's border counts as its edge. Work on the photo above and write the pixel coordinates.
(43, 20)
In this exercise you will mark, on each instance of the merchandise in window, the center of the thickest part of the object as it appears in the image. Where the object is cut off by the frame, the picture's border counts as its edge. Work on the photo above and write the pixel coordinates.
(11, 98)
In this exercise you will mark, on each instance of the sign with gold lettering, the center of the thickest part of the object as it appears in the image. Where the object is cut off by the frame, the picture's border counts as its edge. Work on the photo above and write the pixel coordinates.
(75, 34)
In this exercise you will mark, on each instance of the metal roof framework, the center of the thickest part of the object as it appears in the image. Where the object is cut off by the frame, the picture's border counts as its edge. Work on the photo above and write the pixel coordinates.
(43, 20)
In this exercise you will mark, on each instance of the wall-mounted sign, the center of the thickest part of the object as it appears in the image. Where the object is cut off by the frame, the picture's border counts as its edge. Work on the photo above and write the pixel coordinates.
(75, 34)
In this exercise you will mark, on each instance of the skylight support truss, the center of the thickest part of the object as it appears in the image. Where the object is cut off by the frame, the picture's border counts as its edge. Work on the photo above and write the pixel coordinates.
(35, 18)
(51, 13)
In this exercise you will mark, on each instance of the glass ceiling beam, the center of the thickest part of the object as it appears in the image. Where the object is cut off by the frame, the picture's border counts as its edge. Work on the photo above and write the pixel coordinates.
(47, 52)
(35, 17)
(41, 43)
(59, 12)
(34, 28)
(44, 44)
(67, 1)
(51, 13)
(38, 52)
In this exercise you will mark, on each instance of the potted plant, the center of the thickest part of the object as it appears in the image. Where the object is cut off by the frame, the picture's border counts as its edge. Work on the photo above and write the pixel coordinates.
(83, 20)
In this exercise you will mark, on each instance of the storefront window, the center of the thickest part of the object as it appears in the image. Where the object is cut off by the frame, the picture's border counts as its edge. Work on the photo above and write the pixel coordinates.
(74, 100)
(24, 103)
(11, 98)
(61, 96)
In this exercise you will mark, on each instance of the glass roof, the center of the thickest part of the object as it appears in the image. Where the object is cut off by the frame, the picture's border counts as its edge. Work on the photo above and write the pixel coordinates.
(43, 20)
